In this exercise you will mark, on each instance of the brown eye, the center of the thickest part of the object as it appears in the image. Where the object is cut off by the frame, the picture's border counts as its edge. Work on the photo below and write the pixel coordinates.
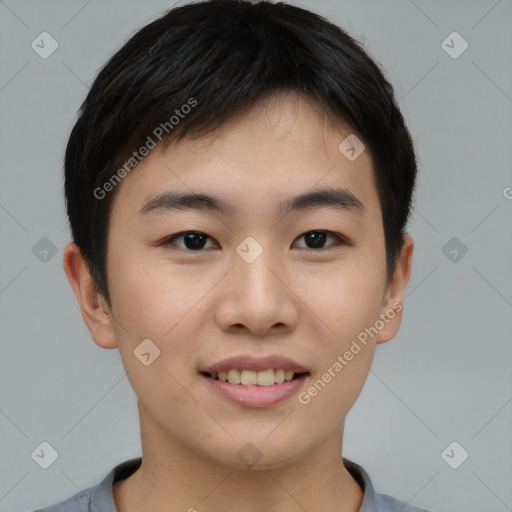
(192, 240)
(317, 239)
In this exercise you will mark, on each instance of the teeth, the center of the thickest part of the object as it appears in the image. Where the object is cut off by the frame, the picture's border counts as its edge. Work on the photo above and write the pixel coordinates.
(279, 376)
(251, 378)
(248, 378)
(234, 376)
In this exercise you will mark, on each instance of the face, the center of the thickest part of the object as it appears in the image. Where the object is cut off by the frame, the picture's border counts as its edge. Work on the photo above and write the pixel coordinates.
(256, 280)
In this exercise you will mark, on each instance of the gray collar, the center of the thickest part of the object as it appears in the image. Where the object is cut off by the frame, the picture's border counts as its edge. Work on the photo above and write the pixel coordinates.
(102, 499)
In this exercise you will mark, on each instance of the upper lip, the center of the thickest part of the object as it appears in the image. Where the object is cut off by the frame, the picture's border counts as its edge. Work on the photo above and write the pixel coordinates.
(256, 364)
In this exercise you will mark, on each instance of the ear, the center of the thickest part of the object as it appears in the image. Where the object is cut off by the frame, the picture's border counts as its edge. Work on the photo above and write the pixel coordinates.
(95, 311)
(392, 306)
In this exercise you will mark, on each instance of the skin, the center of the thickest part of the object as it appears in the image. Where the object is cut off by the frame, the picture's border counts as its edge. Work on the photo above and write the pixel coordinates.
(199, 307)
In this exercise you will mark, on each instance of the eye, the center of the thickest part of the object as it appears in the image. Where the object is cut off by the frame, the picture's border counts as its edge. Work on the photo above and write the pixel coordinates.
(317, 239)
(196, 240)
(193, 240)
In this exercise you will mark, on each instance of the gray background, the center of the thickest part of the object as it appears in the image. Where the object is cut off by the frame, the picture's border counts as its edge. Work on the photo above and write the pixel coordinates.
(446, 376)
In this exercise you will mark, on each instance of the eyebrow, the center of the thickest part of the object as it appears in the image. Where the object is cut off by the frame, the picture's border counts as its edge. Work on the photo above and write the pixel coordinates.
(334, 198)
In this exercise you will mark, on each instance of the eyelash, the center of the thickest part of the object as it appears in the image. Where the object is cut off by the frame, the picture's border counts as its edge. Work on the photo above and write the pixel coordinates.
(340, 240)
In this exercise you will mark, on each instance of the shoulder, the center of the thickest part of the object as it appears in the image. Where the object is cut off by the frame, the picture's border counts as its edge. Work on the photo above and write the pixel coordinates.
(372, 500)
(98, 497)
(386, 503)
(80, 502)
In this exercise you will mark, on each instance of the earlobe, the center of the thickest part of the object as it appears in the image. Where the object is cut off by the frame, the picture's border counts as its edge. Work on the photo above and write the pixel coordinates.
(95, 311)
(391, 314)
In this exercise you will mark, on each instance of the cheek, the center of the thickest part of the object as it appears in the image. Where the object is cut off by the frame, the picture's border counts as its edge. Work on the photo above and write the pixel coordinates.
(148, 295)
(156, 301)
(346, 299)
(345, 306)
(345, 350)
(331, 395)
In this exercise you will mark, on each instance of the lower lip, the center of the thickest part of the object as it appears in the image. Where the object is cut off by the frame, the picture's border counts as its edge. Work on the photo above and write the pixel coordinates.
(257, 396)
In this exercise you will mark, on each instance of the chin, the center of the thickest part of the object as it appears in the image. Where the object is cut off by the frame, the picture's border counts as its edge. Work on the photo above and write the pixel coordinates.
(257, 453)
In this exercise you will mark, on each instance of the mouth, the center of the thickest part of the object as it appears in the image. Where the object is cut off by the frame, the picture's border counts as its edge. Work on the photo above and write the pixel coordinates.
(255, 389)
(265, 378)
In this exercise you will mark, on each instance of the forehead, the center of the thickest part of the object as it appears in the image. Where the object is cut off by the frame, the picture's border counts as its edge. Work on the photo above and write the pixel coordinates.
(279, 147)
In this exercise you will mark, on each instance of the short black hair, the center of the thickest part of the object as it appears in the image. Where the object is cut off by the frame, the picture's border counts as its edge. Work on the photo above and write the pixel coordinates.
(216, 57)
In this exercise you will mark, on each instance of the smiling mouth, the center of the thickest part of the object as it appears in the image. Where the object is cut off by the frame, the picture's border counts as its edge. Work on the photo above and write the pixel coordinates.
(263, 378)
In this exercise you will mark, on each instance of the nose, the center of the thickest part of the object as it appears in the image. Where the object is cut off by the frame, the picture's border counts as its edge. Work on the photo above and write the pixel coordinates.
(259, 297)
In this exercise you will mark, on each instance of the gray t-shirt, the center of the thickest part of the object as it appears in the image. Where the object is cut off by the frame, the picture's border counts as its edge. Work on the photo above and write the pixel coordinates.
(100, 499)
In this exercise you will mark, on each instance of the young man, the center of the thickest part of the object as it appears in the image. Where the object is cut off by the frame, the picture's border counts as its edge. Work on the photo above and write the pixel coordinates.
(238, 185)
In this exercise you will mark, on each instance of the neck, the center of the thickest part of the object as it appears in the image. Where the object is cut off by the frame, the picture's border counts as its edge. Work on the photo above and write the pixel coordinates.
(173, 477)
